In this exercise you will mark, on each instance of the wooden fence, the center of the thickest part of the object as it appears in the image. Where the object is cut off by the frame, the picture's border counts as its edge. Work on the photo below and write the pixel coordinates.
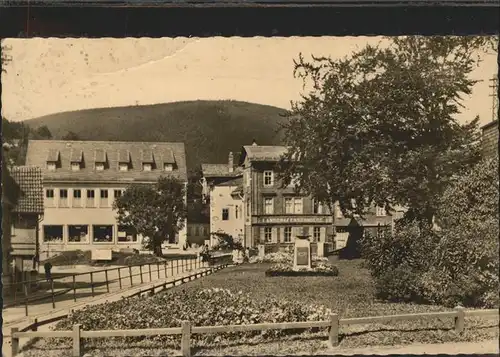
(125, 277)
(186, 329)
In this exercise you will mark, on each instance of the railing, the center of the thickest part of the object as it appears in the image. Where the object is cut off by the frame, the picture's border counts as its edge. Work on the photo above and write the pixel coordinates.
(125, 278)
(186, 329)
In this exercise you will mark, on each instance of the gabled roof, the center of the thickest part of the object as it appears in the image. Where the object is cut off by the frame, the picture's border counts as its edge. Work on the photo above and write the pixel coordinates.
(116, 152)
(219, 170)
(490, 124)
(257, 153)
(29, 180)
(76, 155)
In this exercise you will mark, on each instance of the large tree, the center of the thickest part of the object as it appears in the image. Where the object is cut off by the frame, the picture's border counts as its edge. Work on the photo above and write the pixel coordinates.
(156, 211)
(379, 126)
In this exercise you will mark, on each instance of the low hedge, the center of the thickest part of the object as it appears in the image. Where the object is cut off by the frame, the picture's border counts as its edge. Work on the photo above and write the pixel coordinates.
(301, 273)
(319, 268)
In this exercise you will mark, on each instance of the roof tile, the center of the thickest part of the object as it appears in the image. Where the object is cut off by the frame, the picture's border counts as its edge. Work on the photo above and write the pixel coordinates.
(30, 183)
(116, 152)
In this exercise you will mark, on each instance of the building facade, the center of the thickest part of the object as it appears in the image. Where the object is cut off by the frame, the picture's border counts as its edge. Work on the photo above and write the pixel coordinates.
(276, 215)
(25, 219)
(490, 139)
(81, 180)
(222, 190)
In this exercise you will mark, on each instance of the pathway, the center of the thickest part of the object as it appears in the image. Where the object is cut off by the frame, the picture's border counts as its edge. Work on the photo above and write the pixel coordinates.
(41, 311)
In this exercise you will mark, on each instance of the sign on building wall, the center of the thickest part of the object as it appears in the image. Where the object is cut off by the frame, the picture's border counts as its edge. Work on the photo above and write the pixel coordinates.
(101, 254)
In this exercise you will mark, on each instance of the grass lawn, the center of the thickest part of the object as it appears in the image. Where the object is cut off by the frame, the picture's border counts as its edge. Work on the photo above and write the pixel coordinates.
(351, 294)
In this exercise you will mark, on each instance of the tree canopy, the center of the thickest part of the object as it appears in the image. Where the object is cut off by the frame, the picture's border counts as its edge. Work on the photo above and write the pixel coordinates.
(379, 126)
(156, 211)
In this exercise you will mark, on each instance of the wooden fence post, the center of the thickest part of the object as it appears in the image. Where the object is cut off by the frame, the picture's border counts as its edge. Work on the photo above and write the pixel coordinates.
(333, 335)
(52, 293)
(177, 263)
(172, 267)
(74, 287)
(158, 269)
(14, 341)
(120, 278)
(25, 299)
(186, 339)
(140, 271)
(150, 277)
(460, 319)
(165, 267)
(107, 280)
(77, 340)
(130, 273)
(35, 324)
(92, 283)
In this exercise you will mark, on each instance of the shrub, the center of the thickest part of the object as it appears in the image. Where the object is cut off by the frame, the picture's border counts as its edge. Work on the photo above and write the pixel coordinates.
(203, 307)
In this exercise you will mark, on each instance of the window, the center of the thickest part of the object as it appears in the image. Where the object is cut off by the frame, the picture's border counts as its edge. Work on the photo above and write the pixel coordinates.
(104, 198)
(53, 234)
(317, 207)
(168, 167)
(63, 197)
(117, 193)
(49, 197)
(297, 205)
(103, 234)
(268, 178)
(316, 234)
(288, 234)
(75, 166)
(289, 205)
(268, 205)
(146, 167)
(225, 214)
(123, 167)
(127, 234)
(78, 234)
(268, 233)
(236, 212)
(90, 198)
(51, 166)
(99, 166)
(77, 198)
(380, 211)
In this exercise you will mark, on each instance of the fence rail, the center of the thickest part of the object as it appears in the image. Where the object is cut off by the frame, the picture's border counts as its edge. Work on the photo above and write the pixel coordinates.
(186, 329)
(126, 277)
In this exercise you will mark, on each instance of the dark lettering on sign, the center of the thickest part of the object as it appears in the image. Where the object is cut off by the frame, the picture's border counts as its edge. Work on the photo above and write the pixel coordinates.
(302, 256)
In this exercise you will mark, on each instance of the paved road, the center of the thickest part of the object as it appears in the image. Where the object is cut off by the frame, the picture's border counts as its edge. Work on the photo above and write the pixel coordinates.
(84, 291)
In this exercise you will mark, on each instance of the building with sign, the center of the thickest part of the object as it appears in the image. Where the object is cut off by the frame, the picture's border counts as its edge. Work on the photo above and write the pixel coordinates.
(490, 139)
(81, 179)
(222, 190)
(275, 215)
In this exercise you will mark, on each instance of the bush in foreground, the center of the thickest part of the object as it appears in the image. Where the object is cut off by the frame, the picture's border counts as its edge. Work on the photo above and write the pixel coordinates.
(202, 307)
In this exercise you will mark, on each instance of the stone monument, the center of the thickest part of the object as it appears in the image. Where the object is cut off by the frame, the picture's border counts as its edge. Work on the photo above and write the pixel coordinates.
(262, 250)
(302, 257)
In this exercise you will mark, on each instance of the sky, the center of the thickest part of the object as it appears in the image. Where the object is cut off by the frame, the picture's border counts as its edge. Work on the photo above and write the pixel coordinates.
(50, 75)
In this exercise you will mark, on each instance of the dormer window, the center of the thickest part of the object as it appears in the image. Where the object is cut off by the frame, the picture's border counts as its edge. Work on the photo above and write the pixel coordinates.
(168, 167)
(100, 159)
(52, 159)
(76, 159)
(147, 159)
(123, 160)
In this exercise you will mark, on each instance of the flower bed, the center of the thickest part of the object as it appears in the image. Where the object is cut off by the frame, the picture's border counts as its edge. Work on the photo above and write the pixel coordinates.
(320, 268)
(282, 257)
(203, 307)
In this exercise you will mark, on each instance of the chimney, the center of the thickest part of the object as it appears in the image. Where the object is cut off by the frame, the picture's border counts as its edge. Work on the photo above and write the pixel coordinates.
(231, 162)
(254, 143)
